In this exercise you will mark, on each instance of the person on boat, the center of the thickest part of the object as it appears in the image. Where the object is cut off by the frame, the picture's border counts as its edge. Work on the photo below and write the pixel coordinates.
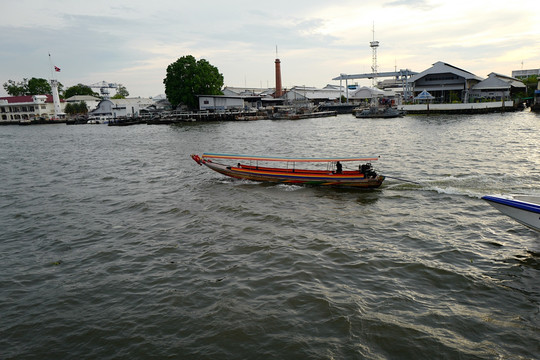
(339, 168)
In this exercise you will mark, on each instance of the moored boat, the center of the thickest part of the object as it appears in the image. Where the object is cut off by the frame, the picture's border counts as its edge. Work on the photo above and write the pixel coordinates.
(256, 168)
(524, 209)
(378, 112)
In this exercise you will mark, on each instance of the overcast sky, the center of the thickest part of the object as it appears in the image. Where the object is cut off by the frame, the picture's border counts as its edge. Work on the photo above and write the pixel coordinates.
(132, 42)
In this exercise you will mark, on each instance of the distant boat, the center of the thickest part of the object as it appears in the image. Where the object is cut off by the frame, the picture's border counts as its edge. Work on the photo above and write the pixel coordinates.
(522, 208)
(254, 168)
(378, 112)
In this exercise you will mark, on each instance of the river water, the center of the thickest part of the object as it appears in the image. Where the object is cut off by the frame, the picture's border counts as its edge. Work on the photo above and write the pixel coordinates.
(115, 244)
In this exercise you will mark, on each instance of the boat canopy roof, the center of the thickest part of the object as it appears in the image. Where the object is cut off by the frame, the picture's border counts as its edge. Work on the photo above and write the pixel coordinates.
(285, 159)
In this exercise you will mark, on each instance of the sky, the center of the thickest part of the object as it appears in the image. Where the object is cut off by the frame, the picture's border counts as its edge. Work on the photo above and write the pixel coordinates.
(131, 42)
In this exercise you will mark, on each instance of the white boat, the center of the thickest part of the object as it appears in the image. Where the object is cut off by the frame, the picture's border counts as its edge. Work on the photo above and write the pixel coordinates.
(524, 209)
(97, 120)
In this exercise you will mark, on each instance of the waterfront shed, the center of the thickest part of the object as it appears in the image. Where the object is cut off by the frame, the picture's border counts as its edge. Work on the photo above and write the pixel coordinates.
(445, 82)
(221, 102)
(313, 95)
(497, 87)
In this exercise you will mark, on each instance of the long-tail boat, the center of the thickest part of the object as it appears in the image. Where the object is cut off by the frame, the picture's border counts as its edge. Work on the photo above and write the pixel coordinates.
(256, 168)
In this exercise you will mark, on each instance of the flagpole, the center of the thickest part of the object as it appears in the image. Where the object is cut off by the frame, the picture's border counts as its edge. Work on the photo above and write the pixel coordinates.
(51, 66)
(54, 89)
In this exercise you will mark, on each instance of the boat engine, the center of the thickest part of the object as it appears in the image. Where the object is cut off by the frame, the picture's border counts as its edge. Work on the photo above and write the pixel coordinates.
(368, 171)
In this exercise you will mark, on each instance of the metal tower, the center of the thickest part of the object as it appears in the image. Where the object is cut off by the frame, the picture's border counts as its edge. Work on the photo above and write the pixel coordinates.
(374, 45)
(104, 88)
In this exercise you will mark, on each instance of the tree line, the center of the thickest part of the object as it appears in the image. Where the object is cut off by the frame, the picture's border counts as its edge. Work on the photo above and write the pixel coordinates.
(186, 78)
(40, 86)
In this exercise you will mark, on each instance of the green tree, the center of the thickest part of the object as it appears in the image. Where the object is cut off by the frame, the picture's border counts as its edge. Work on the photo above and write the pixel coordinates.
(82, 108)
(187, 78)
(76, 108)
(39, 86)
(531, 83)
(121, 92)
(69, 109)
(34, 86)
(16, 88)
(79, 89)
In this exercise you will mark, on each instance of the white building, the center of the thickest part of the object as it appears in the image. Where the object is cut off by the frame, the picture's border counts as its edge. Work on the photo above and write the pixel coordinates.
(314, 95)
(221, 102)
(525, 73)
(119, 108)
(27, 107)
(90, 101)
(368, 93)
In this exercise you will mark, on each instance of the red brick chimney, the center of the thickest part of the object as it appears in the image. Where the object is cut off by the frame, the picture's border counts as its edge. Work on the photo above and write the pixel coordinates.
(279, 91)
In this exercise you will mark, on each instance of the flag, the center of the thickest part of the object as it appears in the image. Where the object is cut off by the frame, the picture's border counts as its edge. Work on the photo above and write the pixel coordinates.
(57, 69)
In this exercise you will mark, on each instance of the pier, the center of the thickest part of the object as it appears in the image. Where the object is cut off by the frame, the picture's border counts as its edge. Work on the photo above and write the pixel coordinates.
(176, 117)
(467, 108)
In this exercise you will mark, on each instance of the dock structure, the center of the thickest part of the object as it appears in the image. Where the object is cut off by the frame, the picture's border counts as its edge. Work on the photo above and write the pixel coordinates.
(177, 117)
(174, 117)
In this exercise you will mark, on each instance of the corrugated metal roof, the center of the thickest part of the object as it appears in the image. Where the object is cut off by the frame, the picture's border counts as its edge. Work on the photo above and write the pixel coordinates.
(498, 81)
(442, 67)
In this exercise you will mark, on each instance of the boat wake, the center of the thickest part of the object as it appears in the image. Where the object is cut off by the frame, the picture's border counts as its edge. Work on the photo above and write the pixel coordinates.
(473, 186)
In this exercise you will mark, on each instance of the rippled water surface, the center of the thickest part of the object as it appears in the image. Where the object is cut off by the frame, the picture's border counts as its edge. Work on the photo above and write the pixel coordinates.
(115, 244)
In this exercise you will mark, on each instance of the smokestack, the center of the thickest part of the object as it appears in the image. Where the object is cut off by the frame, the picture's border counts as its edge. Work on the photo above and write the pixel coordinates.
(279, 91)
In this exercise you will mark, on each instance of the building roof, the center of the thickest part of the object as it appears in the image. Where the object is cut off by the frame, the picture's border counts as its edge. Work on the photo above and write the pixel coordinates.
(498, 81)
(78, 98)
(365, 92)
(441, 67)
(241, 91)
(130, 101)
(333, 87)
(25, 99)
(313, 93)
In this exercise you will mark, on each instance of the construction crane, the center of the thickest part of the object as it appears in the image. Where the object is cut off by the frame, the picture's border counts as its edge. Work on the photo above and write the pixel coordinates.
(104, 88)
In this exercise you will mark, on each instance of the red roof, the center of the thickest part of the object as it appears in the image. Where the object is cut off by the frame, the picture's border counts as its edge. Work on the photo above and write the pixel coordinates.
(25, 99)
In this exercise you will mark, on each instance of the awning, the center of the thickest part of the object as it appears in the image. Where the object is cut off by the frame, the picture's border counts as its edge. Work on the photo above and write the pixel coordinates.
(424, 95)
(284, 159)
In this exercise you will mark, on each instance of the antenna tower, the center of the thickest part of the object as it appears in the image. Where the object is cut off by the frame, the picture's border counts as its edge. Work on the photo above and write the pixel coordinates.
(374, 45)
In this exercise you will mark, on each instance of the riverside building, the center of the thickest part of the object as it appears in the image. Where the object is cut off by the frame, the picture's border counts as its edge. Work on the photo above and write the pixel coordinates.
(15, 109)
